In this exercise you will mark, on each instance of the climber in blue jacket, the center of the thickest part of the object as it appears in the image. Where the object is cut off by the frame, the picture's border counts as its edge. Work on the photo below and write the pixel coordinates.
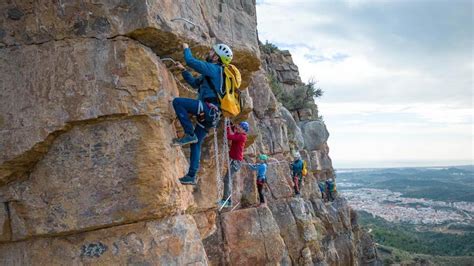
(206, 107)
(261, 168)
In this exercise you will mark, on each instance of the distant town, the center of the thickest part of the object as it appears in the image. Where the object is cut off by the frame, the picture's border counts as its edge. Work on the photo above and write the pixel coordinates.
(392, 207)
(418, 210)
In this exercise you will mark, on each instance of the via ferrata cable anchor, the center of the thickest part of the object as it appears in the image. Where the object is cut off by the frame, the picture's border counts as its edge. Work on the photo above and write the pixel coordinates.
(188, 21)
(168, 59)
(203, 34)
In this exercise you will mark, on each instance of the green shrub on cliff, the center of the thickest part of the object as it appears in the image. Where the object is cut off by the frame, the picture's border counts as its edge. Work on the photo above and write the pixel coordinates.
(268, 47)
(299, 98)
(302, 97)
(277, 89)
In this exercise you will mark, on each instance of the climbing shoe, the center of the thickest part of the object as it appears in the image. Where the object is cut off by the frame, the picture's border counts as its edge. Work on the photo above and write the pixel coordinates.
(187, 139)
(188, 180)
(223, 204)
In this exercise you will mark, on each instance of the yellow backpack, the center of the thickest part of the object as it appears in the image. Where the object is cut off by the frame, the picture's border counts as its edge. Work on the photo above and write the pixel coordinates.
(230, 102)
(305, 170)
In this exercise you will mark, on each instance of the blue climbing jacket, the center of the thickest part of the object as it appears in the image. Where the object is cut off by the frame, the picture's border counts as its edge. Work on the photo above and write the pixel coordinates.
(261, 169)
(212, 71)
(331, 185)
(322, 186)
(297, 166)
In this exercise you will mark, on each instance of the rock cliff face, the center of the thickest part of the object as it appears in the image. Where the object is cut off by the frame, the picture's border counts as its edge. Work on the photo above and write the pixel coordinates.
(87, 172)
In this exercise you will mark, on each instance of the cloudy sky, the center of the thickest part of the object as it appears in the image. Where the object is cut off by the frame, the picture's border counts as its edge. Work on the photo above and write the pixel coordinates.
(397, 75)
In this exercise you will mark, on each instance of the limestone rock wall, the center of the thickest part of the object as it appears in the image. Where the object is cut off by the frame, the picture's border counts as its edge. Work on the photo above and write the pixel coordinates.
(87, 173)
(171, 241)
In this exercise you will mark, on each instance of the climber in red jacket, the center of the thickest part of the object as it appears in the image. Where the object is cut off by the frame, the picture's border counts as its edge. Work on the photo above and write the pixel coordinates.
(238, 136)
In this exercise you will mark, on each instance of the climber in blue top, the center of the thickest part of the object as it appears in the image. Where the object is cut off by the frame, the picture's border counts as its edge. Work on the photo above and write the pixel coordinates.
(205, 107)
(297, 173)
(261, 168)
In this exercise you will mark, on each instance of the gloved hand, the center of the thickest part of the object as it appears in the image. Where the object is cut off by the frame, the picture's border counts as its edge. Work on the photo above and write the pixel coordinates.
(180, 66)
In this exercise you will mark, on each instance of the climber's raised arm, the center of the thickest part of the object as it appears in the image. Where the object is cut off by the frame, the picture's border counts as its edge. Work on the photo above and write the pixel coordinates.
(205, 68)
(194, 82)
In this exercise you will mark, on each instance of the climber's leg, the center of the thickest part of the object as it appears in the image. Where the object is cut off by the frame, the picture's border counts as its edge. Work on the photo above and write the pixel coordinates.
(190, 178)
(183, 107)
(295, 183)
(260, 192)
(234, 168)
(200, 132)
(195, 157)
(227, 181)
(300, 182)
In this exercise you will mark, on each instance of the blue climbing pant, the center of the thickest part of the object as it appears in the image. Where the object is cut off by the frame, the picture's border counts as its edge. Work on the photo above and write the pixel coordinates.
(183, 107)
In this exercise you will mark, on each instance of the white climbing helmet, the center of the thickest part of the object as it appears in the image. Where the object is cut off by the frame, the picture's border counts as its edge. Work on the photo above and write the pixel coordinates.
(224, 52)
(297, 155)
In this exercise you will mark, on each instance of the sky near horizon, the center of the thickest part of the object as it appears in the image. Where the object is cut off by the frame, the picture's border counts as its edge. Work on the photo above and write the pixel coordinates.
(397, 75)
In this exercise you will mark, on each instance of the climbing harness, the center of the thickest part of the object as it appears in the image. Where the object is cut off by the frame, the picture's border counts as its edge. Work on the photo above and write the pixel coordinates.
(214, 113)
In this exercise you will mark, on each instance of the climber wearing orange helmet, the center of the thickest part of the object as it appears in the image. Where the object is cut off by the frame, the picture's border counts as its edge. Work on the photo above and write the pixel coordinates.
(206, 107)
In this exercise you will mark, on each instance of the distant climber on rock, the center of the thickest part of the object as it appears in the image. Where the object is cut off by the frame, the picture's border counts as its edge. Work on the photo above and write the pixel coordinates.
(261, 168)
(298, 170)
(206, 107)
(322, 189)
(331, 189)
(238, 136)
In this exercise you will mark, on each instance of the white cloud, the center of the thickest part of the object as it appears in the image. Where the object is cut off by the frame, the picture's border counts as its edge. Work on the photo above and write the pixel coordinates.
(436, 113)
(377, 132)
(397, 75)
(382, 61)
